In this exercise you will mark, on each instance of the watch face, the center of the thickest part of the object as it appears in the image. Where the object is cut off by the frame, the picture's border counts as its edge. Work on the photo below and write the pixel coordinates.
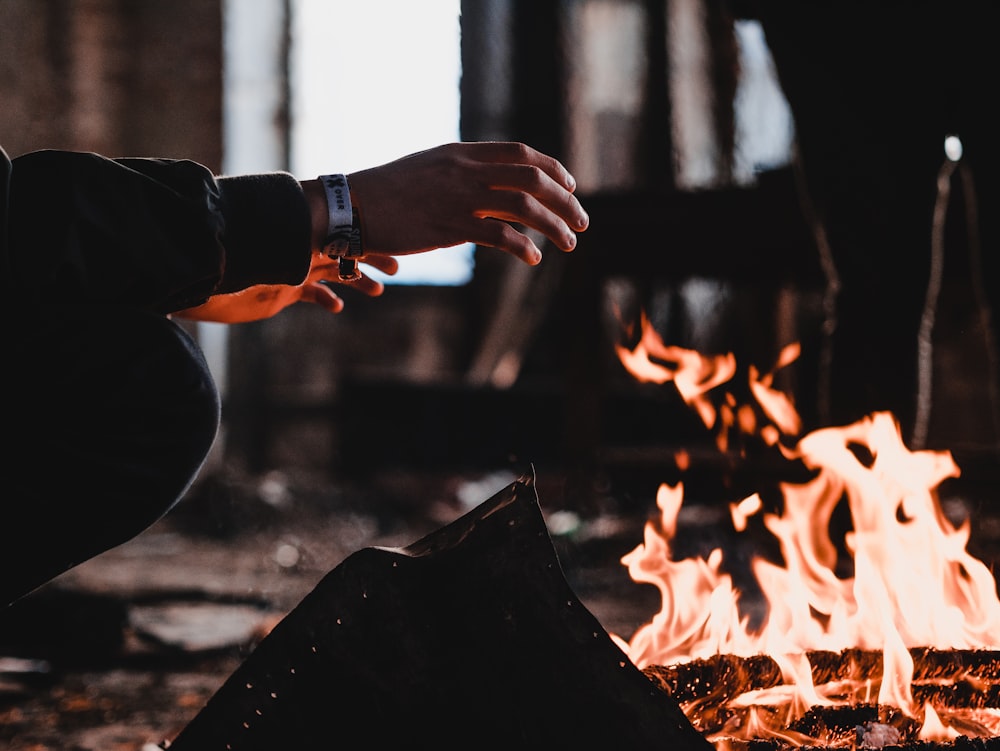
(349, 271)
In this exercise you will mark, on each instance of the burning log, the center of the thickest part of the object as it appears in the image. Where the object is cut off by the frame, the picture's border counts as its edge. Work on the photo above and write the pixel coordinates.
(470, 636)
(935, 672)
(958, 680)
(898, 577)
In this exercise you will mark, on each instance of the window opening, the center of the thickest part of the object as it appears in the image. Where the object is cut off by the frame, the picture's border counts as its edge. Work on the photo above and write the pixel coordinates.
(371, 82)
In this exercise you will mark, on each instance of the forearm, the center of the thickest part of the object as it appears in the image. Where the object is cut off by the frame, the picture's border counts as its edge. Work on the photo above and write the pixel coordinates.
(269, 230)
(168, 235)
(318, 212)
(158, 234)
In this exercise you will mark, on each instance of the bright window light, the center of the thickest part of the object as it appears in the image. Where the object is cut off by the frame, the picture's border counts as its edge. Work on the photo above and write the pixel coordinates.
(373, 81)
(764, 125)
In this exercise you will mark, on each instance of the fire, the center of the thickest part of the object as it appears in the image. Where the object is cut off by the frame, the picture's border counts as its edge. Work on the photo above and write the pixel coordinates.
(696, 376)
(913, 583)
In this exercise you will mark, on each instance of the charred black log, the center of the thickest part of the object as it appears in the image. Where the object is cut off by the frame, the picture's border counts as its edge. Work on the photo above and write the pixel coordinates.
(469, 637)
(967, 678)
(842, 726)
(721, 677)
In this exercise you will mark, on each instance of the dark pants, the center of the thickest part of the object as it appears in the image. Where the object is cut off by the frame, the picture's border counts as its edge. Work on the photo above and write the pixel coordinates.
(110, 415)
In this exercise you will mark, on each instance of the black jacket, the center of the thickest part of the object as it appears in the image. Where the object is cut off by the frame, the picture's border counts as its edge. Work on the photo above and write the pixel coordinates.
(158, 234)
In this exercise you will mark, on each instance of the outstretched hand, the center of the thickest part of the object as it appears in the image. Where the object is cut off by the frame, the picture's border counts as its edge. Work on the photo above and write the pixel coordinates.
(265, 300)
(479, 192)
(468, 192)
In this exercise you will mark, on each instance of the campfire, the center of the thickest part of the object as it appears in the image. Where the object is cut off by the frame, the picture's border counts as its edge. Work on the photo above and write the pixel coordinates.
(876, 637)
(881, 635)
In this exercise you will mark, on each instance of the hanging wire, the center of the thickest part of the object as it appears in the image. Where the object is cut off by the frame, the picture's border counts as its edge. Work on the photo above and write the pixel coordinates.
(925, 335)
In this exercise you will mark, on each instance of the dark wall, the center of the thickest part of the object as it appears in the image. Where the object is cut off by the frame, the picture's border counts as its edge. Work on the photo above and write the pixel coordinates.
(874, 90)
(119, 77)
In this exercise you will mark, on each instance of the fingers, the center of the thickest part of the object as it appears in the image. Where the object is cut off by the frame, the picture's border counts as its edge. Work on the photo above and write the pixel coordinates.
(386, 264)
(324, 291)
(478, 192)
(530, 189)
(532, 211)
(325, 274)
(328, 269)
(499, 234)
(323, 296)
(367, 286)
(515, 153)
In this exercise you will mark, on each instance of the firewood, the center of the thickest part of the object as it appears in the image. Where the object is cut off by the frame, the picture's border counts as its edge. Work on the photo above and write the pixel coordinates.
(972, 676)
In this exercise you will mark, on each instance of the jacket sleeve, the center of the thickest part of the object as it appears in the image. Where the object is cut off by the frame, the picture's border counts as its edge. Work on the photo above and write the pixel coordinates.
(159, 234)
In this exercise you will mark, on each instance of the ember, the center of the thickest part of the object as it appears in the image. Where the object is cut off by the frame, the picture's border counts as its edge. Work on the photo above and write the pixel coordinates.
(896, 650)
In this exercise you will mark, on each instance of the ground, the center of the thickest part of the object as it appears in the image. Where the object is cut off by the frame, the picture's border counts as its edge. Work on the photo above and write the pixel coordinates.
(122, 652)
(125, 649)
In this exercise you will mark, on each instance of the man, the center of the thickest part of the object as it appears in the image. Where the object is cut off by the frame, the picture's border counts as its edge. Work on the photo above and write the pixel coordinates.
(111, 409)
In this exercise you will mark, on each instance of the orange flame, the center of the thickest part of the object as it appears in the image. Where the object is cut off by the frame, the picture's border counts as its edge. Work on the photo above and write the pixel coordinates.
(696, 375)
(913, 585)
(693, 374)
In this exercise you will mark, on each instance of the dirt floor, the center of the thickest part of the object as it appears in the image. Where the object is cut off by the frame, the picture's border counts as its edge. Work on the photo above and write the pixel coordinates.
(122, 652)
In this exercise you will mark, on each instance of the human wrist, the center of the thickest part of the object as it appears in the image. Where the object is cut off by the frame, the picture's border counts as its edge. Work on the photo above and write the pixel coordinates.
(316, 200)
(343, 235)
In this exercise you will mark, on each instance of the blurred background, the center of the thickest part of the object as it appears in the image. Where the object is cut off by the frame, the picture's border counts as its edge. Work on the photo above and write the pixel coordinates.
(755, 176)
(758, 175)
